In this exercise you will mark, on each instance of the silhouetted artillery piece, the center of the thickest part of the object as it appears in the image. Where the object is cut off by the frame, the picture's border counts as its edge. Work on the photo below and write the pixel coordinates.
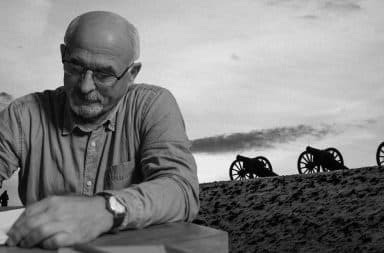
(380, 155)
(247, 168)
(313, 160)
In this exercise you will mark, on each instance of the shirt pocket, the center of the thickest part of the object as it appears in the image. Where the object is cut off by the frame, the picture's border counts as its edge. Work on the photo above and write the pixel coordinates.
(119, 176)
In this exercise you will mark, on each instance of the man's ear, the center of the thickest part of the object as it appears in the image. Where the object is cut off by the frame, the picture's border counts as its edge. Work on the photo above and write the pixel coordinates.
(62, 50)
(135, 69)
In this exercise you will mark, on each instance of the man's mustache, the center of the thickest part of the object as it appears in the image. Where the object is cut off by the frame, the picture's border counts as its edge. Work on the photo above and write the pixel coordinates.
(91, 97)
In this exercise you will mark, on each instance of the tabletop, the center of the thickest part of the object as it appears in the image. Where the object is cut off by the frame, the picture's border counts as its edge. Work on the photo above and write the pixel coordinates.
(176, 237)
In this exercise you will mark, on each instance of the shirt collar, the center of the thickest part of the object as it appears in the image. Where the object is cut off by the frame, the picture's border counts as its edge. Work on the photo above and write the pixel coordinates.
(69, 124)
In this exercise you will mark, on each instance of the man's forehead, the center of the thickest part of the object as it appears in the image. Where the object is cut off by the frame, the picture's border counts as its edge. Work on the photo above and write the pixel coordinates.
(95, 58)
(106, 42)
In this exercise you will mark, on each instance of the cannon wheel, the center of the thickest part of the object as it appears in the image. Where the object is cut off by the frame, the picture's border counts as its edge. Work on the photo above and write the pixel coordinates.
(264, 160)
(336, 155)
(306, 164)
(238, 172)
(380, 155)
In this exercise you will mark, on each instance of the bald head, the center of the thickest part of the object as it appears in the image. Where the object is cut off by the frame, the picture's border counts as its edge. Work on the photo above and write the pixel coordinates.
(102, 31)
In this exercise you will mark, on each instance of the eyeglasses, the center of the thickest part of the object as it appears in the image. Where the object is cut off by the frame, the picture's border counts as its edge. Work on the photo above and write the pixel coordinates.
(100, 78)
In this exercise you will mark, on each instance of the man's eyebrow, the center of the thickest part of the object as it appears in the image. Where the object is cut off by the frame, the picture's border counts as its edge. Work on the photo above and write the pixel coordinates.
(76, 60)
(108, 69)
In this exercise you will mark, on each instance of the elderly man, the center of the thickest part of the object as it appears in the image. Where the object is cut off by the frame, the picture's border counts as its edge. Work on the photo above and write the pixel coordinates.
(101, 153)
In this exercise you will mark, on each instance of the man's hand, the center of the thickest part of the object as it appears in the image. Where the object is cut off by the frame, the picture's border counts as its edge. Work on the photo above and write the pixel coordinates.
(60, 221)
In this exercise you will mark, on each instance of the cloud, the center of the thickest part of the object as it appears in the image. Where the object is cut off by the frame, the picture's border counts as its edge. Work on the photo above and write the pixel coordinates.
(5, 99)
(259, 139)
(315, 9)
(309, 16)
(342, 5)
(361, 124)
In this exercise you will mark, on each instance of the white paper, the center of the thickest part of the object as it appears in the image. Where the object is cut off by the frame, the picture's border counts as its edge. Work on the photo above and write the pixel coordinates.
(7, 218)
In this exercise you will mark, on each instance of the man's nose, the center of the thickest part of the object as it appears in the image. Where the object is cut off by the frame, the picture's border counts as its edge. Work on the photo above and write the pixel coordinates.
(86, 83)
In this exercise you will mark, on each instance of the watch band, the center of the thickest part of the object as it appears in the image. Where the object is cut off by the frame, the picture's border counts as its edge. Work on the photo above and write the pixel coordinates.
(118, 218)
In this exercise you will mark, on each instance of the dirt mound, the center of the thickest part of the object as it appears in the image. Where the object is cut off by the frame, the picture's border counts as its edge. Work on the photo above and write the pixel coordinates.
(327, 212)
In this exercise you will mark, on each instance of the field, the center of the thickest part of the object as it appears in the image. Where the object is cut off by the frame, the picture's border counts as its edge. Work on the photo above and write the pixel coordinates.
(339, 211)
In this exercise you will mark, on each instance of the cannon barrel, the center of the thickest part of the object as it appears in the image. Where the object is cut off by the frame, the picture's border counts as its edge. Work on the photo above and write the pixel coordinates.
(250, 162)
(315, 151)
(243, 158)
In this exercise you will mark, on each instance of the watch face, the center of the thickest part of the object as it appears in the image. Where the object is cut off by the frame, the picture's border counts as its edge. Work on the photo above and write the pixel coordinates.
(116, 205)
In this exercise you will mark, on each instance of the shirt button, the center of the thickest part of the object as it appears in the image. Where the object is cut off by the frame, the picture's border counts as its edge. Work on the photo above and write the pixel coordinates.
(89, 183)
(93, 144)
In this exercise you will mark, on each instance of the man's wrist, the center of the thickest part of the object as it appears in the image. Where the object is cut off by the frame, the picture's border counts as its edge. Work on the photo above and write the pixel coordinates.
(107, 217)
(115, 208)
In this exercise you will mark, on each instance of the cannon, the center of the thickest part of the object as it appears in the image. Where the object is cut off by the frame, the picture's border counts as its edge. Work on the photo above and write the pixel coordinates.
(247, 168)
(313, 160)
(380, 155)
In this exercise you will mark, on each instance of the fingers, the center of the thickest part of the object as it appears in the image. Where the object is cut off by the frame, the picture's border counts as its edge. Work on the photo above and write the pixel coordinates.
(57, 240)
(40, 233)
(24, 228)
(30, 211)
(59, 221)
(33, 216)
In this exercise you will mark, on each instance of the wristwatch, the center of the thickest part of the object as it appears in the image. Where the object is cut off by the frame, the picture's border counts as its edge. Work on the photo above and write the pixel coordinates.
(115, 207)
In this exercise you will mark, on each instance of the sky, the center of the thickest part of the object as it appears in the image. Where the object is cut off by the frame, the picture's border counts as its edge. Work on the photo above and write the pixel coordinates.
(265, 77)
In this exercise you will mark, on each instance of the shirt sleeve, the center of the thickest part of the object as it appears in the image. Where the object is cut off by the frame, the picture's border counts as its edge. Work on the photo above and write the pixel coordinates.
(170, 191)
(10, 141)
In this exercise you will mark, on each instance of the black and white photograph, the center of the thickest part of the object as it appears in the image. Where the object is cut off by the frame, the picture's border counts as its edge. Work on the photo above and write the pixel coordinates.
(191, 126)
